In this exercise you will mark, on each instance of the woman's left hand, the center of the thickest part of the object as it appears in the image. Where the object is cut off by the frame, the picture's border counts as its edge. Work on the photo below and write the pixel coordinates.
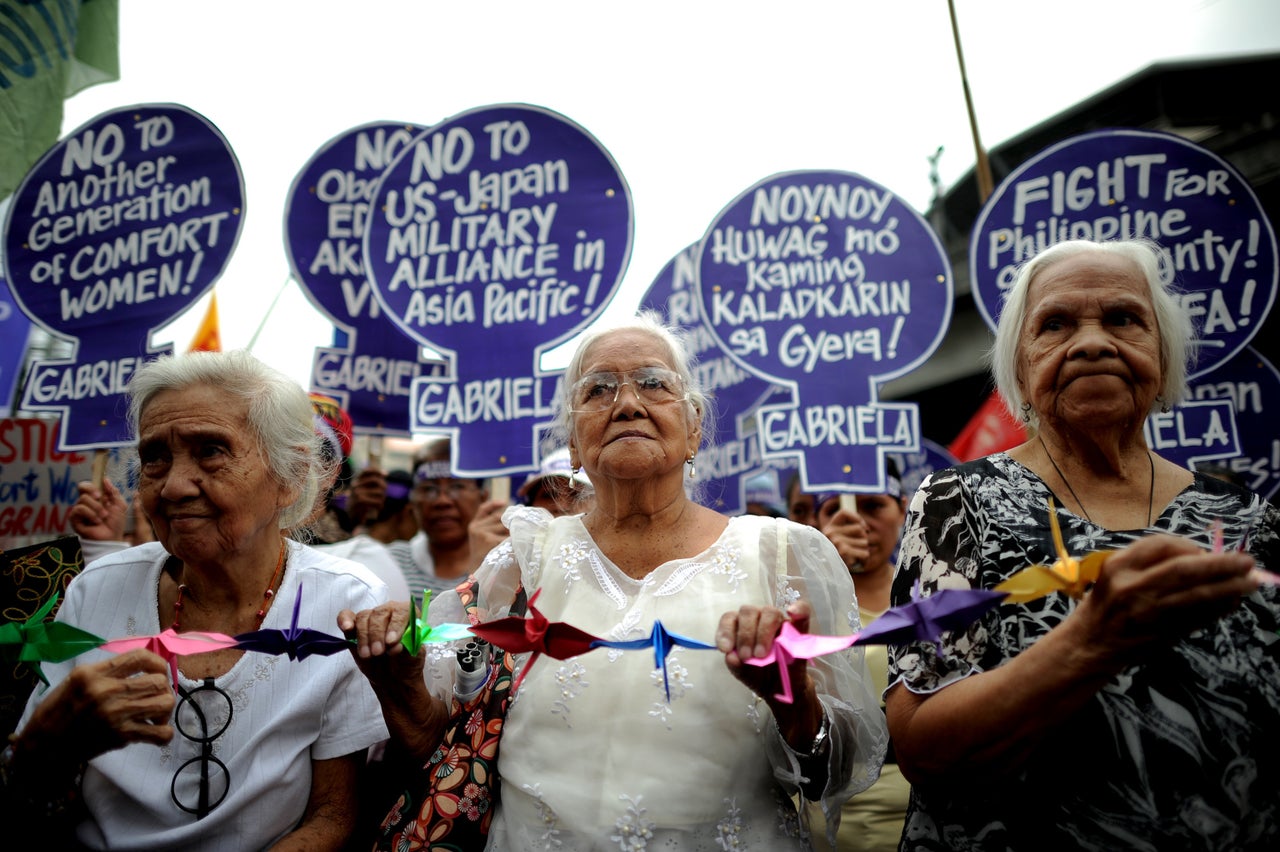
(749, 633)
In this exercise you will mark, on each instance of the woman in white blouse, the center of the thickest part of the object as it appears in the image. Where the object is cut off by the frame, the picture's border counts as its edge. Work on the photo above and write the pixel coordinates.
(594, 754)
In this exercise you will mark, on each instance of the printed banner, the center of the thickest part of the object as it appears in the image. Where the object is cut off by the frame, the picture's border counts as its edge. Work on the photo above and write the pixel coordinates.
(828, 285)
(38, 480)
(118, 229)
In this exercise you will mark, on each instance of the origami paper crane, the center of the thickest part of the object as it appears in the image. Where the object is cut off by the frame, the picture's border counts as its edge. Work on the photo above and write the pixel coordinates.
(418, 633)
(517, 635)
(1067, 574)
(926, 619)
(170, 644)
(36, 641)
(298, 642)
(662, 640)
(790, 644)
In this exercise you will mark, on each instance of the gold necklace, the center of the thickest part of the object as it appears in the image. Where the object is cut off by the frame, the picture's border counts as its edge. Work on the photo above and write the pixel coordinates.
(1151, 491)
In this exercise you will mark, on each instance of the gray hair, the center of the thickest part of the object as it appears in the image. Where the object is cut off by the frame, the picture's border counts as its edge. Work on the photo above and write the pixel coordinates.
(279, 418)
(678, 353)
(1173, 324)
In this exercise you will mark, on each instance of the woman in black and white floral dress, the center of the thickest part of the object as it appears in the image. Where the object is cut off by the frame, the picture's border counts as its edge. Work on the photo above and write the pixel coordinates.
(1146, 714)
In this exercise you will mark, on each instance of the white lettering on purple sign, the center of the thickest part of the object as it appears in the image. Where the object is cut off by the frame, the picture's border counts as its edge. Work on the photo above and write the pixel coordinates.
(891, 425)
(1139, 195)
(77, 221)
(486, 250)
(62, 383)
(798, 269)
(485, 400)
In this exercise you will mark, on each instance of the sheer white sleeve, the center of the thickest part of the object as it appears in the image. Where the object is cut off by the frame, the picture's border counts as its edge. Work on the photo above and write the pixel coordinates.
(513, 563)
(858, 736)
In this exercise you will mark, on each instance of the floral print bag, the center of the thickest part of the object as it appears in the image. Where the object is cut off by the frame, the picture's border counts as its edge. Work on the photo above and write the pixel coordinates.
(448, 803)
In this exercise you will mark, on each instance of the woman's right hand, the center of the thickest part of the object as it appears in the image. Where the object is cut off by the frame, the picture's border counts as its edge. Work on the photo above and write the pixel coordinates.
(1158, 589)
(415, 718)
(97, 708)
(377, 633)
(847, 531)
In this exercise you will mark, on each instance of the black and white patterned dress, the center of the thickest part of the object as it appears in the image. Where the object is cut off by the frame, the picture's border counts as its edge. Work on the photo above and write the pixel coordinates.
(1181, 752)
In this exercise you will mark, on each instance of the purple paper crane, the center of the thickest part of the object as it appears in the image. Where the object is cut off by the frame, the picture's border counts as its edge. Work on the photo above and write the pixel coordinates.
(298, 642)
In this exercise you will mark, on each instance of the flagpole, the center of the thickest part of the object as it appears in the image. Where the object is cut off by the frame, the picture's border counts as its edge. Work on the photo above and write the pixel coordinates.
(985, 183)
(253, 340)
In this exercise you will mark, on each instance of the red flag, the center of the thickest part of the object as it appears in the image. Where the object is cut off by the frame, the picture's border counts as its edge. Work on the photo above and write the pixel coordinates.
(991, 430)
(207, 338)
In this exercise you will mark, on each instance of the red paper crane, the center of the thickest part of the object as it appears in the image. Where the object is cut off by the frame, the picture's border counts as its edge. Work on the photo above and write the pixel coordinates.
(534, 634)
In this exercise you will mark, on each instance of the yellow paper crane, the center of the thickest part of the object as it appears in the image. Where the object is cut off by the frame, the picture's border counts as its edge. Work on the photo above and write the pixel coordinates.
(1067, 574)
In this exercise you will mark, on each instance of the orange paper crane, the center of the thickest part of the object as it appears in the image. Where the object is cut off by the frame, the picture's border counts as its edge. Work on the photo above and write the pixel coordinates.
(1067, 574)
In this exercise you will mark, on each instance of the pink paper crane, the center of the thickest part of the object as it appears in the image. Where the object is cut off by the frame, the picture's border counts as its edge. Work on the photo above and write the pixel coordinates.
(790, 644)
(170, 644)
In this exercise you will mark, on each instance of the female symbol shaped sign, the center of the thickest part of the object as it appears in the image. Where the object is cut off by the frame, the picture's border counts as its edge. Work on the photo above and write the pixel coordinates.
(495, 236)
(827, 283)
(119, 228)
(1110, 184)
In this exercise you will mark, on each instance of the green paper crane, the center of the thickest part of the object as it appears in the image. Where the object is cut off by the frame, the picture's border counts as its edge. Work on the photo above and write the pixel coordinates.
(36, 641)
(417, 633)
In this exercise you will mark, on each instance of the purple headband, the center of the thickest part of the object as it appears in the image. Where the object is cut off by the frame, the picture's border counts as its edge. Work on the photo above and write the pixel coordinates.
(432, 470)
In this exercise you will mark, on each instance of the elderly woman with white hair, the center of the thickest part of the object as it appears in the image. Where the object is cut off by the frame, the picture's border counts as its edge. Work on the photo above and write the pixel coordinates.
(253, 750)
(594, 754)
(1144, 713)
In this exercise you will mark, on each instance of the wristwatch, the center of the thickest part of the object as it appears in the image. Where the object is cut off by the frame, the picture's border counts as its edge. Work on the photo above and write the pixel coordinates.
(819, 740)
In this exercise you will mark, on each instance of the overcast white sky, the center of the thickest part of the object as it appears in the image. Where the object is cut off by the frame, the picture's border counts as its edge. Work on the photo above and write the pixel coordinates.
(695, 100)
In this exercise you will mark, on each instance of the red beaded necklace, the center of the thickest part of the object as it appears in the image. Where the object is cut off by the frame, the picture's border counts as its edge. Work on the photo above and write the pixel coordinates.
(267, 596)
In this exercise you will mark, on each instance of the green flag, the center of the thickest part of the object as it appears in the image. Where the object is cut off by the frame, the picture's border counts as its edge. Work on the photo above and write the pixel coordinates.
(49, 50)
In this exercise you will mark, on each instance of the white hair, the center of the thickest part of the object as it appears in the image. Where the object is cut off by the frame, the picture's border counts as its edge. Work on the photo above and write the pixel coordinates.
(1173, 324)
(279, 416)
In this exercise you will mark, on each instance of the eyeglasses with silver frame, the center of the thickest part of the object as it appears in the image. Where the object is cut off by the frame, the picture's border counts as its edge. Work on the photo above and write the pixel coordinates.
(652, 385)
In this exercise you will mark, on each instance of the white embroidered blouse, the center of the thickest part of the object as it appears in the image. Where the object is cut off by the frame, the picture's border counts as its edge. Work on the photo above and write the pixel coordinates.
(594, 756)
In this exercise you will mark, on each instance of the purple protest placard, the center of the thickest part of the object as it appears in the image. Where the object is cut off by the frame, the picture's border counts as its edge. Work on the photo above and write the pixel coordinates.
(326, 211)
(735, 393)
(1218, 242)
(829, 285)
(1225, 421)
(15, 328)
(117, 229)
(494, 237)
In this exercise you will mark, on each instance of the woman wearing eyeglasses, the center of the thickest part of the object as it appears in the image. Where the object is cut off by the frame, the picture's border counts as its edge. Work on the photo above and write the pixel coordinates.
(593, 753)
(246, 750)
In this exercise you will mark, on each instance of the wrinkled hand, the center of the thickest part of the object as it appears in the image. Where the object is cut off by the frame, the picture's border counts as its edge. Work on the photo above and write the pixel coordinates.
(749, 632)
(486, 531)
(98, 708)
(414, 717)
(378, 650)
(848, 532)
(1159, 589)
(98, 513)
